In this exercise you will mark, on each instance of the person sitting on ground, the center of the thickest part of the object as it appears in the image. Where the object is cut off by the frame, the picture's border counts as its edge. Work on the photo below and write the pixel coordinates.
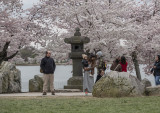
(101, 73)
(123, 64)
(116, 65)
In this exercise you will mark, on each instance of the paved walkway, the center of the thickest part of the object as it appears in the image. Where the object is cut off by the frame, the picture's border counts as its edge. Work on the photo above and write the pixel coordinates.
(74, 94)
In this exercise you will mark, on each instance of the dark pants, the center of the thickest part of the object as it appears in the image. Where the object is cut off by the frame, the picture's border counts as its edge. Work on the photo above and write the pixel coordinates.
(157, 80)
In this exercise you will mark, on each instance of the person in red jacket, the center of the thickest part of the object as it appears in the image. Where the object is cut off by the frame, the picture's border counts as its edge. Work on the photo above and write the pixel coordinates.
(123, 64)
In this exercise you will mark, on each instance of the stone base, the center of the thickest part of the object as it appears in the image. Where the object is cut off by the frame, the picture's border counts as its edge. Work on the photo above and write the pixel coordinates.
(75, 82)
(153, 91)
(67, 90)
(74, 87)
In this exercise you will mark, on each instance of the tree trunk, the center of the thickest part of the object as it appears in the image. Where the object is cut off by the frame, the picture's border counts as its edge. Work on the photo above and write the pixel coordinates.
(3, 53)
(136, 64)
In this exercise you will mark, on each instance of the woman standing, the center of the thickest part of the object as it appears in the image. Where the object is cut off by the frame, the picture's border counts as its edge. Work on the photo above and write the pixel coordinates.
(123, 64)
(88, 81)
(156, 70)
(116, 65)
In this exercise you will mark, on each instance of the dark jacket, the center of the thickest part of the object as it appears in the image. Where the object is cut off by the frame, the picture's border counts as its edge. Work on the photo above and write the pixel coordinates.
(84, 63)
(48, 65)
(98, 77)
(116, 67)
(156, 71)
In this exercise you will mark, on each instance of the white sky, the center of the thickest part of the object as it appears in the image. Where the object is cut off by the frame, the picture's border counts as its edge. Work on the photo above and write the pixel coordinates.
(29, 3)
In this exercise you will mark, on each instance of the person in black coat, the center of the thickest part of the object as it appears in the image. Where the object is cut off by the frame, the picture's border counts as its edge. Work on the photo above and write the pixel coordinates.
(101, 73)
(156, 70)
(48, 67)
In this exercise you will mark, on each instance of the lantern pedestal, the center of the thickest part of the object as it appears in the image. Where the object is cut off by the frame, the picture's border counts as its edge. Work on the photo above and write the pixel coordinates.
(75, 82)
(77, 44)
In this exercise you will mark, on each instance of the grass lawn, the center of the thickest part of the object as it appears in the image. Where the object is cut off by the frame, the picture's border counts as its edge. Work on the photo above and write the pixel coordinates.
(79, 105)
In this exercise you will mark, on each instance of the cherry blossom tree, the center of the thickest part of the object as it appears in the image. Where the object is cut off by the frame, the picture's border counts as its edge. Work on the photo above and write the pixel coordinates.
(17, 29)
(97, 19)
(106, 22)
(143, 33)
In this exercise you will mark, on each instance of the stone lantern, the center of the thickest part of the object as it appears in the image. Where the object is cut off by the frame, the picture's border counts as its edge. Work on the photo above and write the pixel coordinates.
(77, 45)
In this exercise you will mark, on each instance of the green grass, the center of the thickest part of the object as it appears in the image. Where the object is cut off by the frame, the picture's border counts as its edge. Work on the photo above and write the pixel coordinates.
(79, 105)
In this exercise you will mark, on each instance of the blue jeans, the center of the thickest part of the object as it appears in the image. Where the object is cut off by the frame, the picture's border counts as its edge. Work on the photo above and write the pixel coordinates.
(157, 80)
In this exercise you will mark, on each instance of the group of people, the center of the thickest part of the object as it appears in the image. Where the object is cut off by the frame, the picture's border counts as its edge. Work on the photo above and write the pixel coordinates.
(96, 61)
(89, 63)
(120, 64)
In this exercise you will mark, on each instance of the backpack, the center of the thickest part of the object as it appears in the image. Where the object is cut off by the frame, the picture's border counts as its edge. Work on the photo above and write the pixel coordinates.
(102, 65)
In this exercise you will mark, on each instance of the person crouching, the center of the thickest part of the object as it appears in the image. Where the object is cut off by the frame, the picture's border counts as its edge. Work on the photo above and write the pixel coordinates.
(101, 73)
